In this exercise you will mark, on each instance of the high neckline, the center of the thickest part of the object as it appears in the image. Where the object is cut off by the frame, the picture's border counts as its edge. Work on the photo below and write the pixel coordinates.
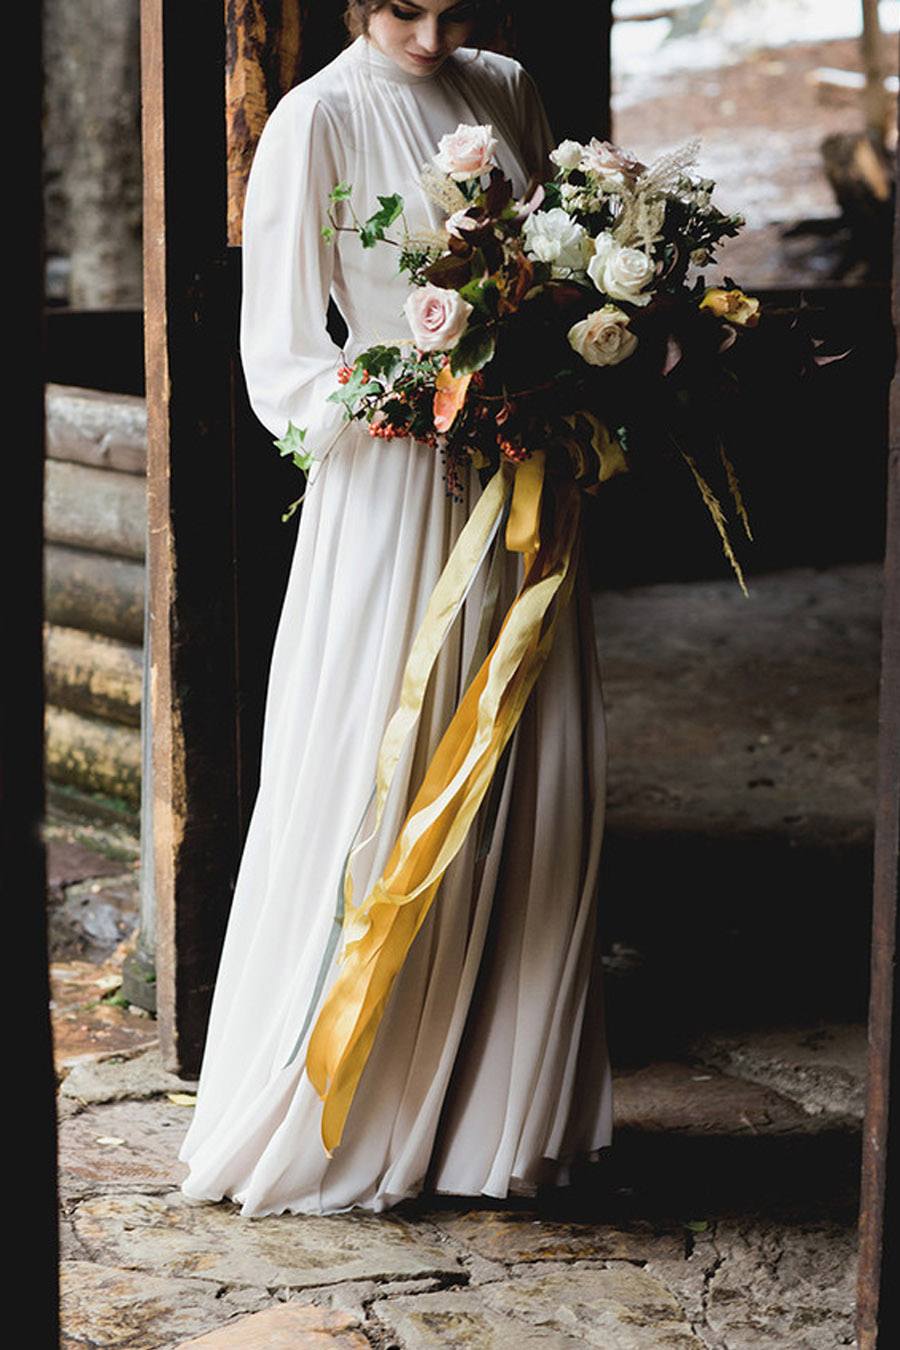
(375, 60)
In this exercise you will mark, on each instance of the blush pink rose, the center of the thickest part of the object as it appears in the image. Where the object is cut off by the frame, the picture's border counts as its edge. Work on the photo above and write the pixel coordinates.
(466, 152)
(437, 317)
(602, 158)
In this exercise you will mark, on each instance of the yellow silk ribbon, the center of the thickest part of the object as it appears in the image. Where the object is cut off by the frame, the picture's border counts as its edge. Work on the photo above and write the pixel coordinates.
(378, 933)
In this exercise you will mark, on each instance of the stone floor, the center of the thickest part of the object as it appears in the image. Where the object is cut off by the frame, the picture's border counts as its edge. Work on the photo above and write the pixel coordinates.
(725, 1215)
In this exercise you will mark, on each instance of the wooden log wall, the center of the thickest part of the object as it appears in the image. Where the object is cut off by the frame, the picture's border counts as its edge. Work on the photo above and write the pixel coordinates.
(95, 521)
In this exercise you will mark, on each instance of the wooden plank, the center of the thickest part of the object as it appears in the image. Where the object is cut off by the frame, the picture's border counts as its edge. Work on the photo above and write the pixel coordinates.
(190, 340)
(878, 1295)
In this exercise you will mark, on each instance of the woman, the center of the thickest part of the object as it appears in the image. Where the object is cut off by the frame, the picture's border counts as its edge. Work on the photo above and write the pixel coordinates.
(489, 1073)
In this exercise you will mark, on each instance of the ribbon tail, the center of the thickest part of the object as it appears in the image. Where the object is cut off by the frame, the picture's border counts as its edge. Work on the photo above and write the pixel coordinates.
(445, 602)
(455, 783)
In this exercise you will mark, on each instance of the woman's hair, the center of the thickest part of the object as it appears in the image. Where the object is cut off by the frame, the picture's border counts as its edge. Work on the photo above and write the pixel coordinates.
(492, 19)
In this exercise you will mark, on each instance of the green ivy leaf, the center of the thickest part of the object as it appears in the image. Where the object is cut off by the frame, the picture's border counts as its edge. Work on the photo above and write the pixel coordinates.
(375, 226)
(340, 192)
(291, 444)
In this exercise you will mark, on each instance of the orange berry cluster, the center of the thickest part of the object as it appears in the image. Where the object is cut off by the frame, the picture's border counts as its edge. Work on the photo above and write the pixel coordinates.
(386, 431)
(344, 373)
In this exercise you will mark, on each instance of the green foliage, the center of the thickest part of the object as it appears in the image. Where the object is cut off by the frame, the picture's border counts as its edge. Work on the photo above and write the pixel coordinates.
(474, 349)
(375, 226)
(291, 444)
(483, 294)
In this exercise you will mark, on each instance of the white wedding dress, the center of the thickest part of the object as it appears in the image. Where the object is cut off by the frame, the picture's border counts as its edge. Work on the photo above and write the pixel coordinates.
(489, 1073)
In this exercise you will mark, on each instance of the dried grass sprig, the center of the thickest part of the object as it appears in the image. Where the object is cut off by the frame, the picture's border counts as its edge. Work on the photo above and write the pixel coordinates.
(735, 489)
(715, 510)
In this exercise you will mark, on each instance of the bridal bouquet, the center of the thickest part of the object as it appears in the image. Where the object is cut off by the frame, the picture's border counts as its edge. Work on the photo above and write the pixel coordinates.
(566, 323)
(555, 341)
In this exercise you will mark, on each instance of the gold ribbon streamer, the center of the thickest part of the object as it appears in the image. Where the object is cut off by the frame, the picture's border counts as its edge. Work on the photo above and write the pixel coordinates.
(380, 931)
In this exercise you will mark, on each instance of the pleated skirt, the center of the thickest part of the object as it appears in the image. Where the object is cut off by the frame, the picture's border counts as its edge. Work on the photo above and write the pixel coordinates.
(489, 1074)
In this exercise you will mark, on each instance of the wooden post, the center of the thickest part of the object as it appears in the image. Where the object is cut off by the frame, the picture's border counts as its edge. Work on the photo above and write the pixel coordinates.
(189, 343)
(878, 1298)
(876, 99)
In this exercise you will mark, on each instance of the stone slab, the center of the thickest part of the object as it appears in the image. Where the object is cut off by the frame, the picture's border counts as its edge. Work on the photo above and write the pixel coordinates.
(119, 1077)
(783, 1286)
(461, 1319)
(121, 1309)
(124, 1144)
(178, 1237)
(287, 1326)
(821, 1067)
(620, 1307)
(521, 1235)
(669, 1096)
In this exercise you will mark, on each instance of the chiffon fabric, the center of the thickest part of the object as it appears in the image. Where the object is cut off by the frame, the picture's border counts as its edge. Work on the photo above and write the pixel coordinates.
(489, 1073)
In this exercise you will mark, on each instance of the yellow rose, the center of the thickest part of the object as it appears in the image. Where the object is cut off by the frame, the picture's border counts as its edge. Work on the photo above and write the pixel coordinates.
(732, 305)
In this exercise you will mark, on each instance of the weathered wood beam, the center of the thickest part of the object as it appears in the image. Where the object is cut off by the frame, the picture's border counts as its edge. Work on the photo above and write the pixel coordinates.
(262, 63)
(878, 1293)
(190, 341)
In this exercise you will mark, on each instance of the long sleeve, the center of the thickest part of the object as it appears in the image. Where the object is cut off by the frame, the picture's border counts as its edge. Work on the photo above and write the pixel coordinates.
(537, 138)
(290, 362)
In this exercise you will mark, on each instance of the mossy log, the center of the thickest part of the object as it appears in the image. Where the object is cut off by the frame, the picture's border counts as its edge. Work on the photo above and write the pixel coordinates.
(97, 676)
(95, 592)
(94, 755)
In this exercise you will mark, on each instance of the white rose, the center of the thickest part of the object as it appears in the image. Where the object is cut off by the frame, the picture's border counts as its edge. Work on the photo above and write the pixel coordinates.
(467, 152)
(554, 237)
(603, 338)
(567, 154)
(437, 317)
(620, 272)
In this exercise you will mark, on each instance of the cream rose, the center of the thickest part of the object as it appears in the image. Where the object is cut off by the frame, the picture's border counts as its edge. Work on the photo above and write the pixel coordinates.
(467, 152)
(620, 272)
(567, 154)
(437, 317)
(604, 337)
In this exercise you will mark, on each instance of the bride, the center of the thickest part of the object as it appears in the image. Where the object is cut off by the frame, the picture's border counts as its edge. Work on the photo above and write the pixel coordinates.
(489, 1073)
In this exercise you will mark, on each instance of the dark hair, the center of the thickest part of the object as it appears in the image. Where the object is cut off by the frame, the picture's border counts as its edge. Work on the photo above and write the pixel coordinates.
(493, 18)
